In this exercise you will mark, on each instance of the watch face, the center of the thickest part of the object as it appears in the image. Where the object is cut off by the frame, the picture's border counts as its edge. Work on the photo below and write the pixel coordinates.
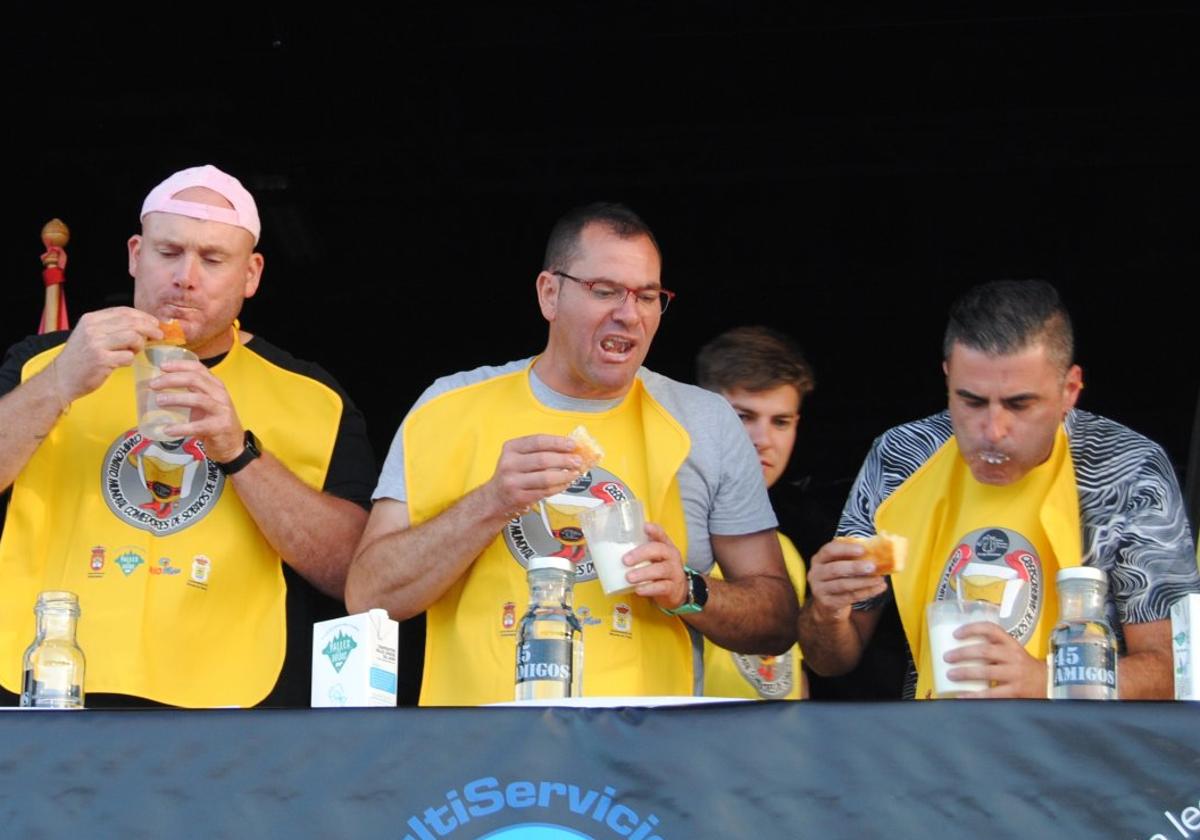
(699, 589)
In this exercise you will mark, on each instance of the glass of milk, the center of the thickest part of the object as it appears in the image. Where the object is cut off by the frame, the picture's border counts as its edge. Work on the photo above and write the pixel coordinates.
(944, 617)
(153, 418)
(612, 531)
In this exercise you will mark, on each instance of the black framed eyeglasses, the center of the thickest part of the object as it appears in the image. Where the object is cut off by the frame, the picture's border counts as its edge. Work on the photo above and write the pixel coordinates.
(614, 294)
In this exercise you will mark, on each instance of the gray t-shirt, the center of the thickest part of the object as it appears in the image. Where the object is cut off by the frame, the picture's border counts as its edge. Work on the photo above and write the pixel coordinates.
(720, 482)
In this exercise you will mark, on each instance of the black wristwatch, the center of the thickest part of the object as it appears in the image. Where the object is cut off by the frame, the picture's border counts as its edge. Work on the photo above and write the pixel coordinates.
(249, 453)
(697, 594)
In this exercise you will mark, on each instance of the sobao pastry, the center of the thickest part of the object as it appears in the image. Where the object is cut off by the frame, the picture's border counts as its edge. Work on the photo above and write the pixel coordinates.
(172, 333)
(586, 447)
(889, 551)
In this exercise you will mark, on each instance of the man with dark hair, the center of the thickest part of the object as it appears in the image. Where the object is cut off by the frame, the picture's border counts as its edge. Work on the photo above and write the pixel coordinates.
(1007, 316)
(481, 477)
(198, 561)
(1009, 485)
(562, 246)
(765, 377)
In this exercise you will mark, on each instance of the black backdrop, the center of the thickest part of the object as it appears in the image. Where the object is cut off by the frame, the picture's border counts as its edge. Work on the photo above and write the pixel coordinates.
(837, 174)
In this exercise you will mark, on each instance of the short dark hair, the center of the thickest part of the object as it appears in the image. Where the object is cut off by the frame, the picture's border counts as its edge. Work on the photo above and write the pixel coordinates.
(754, 359)
(1006, 316)
(562, 247)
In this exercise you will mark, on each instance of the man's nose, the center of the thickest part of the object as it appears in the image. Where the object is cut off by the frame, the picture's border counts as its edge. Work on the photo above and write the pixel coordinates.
(186, 270)
(997, 424)
(627, 311)
(758, 435)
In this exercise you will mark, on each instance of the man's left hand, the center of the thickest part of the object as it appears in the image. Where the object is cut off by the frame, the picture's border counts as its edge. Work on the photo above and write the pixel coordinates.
(214, 419)
(1009, 668)
(663, 580)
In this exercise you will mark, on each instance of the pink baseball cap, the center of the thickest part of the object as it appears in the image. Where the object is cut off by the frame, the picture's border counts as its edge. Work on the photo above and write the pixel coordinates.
(244, 213)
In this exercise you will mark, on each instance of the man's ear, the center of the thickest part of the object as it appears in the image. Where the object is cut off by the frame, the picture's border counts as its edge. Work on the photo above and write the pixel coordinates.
(254, 270)
(1072, 385)
(548, 285)
(135, 253)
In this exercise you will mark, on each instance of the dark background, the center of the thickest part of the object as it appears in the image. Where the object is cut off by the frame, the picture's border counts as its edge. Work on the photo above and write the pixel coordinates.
(841, 175)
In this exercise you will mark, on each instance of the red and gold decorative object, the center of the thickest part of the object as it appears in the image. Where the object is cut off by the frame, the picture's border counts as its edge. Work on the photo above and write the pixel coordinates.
(55, 236)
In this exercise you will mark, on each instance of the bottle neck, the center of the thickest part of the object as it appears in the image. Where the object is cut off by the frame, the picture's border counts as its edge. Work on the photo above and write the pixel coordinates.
(551, 588)
(56, 623)
(1081, 600)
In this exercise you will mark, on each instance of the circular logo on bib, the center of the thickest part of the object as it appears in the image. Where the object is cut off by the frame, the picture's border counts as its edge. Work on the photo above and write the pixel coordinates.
(1001, 566)
(771, 676)
(551, 527)
(159, 486)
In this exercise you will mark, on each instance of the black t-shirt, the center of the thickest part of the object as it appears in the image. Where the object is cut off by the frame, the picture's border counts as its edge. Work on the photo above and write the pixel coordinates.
(351, 475)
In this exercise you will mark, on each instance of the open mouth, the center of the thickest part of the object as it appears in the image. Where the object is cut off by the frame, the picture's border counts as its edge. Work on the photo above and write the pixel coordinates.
(616, 344)
(994, 458)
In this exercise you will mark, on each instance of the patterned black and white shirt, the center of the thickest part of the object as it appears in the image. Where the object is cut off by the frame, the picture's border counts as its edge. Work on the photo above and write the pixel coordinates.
(1131, 510)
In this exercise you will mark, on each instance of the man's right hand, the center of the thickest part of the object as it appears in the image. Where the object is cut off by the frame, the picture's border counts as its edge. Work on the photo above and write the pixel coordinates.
(832, 634)
(530, 469)
(839, 578)
(405, 568)
(101, 342)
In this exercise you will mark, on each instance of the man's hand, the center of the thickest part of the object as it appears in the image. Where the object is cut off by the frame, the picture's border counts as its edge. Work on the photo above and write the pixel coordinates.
(406, 568)
(663, 580)
(101, 342)
(832, 633)
(1011, 671)
(530, 469)
(314, 532)
(840, 578)
(214, 420)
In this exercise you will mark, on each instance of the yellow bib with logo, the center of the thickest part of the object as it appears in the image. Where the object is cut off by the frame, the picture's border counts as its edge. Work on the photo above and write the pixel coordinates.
(1005, 544)
(451, 446)
(728, 674)
(182, 599)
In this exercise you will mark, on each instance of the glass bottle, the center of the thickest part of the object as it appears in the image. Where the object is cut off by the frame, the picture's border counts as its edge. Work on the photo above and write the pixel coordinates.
(549, 639)
(1083, 647)
(54, 664)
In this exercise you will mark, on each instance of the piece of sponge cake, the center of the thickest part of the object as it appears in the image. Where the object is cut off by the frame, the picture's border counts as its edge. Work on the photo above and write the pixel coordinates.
(889, 551)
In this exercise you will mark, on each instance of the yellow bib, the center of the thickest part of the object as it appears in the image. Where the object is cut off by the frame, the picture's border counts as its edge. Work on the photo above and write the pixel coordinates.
(182, 599)
(451, 446)
(728, 674)
(1008, 541)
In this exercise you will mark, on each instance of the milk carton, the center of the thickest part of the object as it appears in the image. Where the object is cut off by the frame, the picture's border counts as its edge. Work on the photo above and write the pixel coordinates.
(1185, 643)
(354, 660)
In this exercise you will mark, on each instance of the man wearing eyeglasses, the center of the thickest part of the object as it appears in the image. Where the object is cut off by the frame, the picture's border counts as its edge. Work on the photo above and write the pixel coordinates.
(481, 477)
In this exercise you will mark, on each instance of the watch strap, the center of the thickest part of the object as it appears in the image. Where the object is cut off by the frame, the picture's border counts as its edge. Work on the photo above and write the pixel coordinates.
(250, 451)
(697, 594)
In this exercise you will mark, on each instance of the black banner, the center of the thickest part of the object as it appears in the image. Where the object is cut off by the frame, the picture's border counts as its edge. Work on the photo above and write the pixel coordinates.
(996, 769)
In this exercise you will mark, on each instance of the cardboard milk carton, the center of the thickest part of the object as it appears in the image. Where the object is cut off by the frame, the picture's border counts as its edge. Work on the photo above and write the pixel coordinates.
(1185, 643)
(354, 660)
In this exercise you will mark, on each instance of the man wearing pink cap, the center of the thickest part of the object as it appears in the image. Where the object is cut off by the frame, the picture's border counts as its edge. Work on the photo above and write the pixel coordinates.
(198, 561)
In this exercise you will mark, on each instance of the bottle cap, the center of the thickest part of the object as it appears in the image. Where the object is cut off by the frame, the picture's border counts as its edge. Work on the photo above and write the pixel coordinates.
(1081, 573)
(561, 563)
